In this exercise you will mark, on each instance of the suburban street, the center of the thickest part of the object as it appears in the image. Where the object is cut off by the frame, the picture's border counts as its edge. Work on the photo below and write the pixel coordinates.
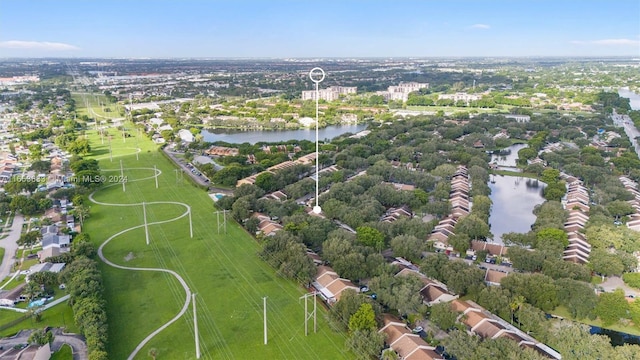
(75, 341)
(629, 128)
(198, 179)
(615, 282)
(10, 245)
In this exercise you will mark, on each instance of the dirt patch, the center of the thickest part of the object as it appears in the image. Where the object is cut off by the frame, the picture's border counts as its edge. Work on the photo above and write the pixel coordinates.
(129, 257)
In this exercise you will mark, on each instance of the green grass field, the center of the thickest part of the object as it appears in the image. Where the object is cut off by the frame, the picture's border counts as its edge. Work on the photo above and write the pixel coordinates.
(60, 315)
(65, 353)
(95, 106)
(222, 269)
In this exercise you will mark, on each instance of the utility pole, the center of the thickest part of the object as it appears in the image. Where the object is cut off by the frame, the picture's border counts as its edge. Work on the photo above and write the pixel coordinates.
(110, 153)
(190, 224)
(308, 315)
(264, 302)
(155, 175)
(224, 220)
(195, 325)
(137, 148)
(146, 228)
(122, 177)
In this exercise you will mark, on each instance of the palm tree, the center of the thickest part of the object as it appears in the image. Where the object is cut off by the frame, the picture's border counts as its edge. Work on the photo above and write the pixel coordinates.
(82, 212)
(515, 305)
(32, 290)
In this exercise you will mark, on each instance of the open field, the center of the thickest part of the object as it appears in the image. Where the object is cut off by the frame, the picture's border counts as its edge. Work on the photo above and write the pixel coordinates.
(90, 105)
(222, 269)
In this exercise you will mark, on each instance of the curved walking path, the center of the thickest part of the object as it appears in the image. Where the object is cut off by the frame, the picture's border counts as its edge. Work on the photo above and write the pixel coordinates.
(187, 291)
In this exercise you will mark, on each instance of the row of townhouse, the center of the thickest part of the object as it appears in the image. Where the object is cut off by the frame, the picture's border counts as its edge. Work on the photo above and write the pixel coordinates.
(329, 284)
(303, 160)
(432, 291)
(486, 325)
(478, 320)
(394, 214)
(460, 206)
(266, 226)
(404, 342)
(632, 187)
(577, 204)
(222, 151)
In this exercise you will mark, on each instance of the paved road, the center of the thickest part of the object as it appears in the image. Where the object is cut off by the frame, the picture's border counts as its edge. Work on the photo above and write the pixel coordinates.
(76, 342)
(615, 282)
(183, 166)
(629, 128)
(10, 245)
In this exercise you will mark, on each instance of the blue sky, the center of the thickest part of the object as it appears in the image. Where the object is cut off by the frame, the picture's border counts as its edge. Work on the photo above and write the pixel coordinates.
(321, 28)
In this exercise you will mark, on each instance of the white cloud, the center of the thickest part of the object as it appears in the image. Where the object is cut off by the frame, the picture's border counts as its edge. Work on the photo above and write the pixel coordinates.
(608, 42)
(480, 26)
(37, 45)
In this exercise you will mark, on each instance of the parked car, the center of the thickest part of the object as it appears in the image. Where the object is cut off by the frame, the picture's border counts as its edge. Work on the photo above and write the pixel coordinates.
(418, 329)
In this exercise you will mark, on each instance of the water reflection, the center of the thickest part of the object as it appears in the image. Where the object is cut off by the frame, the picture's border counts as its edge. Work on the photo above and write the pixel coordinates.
(617, 338)
(508, 156)
(513, 199)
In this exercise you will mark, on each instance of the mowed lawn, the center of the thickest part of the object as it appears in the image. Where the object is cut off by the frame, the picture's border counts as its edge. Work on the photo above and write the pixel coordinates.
(222, 269)
(95, 102)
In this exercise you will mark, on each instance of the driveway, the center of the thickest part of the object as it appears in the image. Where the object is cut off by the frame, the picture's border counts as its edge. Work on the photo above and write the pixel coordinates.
(76, 342)
(10, 245)
(615, 282)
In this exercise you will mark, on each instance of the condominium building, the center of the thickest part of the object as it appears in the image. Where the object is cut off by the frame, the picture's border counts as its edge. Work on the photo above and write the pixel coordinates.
(329, 94)
(461, 96)
(402, 90)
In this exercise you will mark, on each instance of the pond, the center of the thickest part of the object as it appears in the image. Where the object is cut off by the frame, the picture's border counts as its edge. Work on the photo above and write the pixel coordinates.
(508, 156)
(513, 200)
(255, 136)
(617, 338)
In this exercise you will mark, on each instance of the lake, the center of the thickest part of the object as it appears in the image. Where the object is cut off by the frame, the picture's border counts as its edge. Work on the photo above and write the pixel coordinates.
(513, 200)
(255, 136)
(508, 159)
(634, 99)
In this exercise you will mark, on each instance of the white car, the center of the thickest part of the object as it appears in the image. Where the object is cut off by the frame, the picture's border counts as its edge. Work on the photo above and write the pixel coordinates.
(418, 329)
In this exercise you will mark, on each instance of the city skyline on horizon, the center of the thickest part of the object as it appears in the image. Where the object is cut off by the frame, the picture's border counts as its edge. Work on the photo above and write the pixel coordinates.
(283, 29)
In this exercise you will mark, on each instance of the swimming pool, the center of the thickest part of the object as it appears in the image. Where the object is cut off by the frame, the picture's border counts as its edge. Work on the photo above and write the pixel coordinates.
(37, 303)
